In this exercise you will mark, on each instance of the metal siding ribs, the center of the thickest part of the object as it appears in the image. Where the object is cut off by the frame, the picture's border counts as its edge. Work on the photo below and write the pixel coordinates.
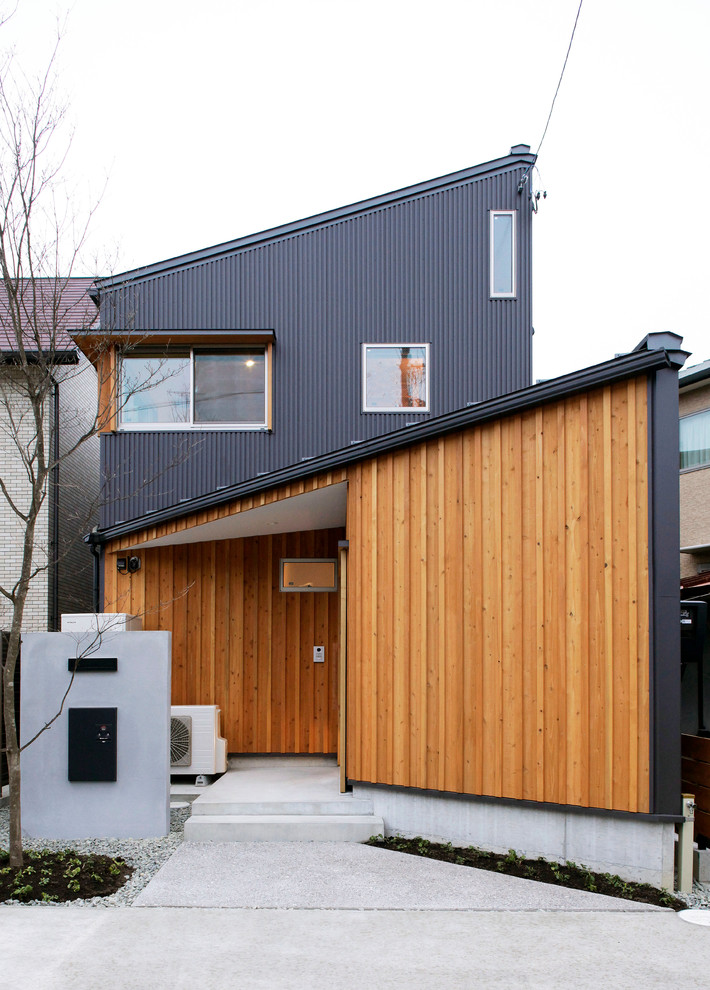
(410, 270)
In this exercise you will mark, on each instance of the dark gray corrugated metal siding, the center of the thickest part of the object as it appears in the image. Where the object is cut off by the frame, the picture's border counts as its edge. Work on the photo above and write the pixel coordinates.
(412, 271)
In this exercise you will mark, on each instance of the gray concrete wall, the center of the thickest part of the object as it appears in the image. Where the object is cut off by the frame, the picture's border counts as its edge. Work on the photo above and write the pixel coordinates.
(633, 848)
(137, 804)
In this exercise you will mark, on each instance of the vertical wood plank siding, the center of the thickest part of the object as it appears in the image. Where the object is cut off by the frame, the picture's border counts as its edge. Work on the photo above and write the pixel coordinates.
(238, 641)
(516, 552)
(498, 612)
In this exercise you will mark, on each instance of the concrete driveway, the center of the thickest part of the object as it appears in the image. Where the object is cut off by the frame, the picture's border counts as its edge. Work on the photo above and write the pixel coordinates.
(341, 915)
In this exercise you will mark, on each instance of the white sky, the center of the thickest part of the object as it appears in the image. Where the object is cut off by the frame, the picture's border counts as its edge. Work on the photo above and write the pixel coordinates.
(219, 119)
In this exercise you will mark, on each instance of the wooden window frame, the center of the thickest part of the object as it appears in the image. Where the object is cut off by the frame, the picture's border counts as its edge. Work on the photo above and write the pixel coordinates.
(307, 560)
(191, 426)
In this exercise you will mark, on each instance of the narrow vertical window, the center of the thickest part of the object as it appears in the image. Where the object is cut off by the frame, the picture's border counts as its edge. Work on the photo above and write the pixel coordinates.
(502, 255)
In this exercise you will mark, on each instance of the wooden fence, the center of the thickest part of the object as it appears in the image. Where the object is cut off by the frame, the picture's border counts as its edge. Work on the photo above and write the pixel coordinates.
(696, 780)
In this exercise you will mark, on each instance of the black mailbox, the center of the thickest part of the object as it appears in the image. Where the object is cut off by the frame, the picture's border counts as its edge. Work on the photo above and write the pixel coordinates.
(92, 744)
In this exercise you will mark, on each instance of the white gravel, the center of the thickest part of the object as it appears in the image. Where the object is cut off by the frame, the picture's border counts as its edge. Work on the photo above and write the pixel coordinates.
(146, 856)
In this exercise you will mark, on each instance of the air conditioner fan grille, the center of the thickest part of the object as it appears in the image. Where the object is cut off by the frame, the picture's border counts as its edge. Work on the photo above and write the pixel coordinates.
(180, 741)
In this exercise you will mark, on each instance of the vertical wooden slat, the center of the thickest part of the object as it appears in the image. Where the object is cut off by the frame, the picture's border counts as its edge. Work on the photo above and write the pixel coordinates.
(342, 669)
(642, 612)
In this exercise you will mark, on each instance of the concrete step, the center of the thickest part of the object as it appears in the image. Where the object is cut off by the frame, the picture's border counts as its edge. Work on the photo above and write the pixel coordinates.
(204, 806)
(284, 760)
(282, 828)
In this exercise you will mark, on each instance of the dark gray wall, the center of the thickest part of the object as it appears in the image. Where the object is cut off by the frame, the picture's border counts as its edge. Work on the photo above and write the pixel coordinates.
(414, 270)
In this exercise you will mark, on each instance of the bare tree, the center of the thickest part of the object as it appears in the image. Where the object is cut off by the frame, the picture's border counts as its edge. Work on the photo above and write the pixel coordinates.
(41, 316)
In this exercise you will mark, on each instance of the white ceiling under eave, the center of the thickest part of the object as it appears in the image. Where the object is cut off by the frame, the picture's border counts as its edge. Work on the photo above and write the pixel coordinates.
(324, 508)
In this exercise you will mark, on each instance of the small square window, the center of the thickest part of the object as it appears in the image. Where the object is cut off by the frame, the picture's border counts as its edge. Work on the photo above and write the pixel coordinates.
(502, 254)
(395, 377)
(309, 574)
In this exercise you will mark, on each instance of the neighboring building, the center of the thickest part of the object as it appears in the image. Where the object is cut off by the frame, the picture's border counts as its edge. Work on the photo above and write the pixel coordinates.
(52, 309)
(695, 480)
(347, 454)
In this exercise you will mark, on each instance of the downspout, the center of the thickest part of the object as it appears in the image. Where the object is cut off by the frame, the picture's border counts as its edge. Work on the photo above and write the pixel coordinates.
(95, 548)
(54, 518)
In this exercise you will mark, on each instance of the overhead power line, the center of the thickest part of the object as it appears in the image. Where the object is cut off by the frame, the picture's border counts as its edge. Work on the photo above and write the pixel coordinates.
(524, 179)
(559, 83)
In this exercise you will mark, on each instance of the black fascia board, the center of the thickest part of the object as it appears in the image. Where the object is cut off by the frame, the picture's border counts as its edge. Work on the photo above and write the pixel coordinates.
(627, 366)
(34, 357)
(317, 220)
(185, 336)
(664, 585)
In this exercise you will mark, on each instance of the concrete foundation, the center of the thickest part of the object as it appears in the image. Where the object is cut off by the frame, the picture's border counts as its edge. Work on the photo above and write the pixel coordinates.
(633, 848)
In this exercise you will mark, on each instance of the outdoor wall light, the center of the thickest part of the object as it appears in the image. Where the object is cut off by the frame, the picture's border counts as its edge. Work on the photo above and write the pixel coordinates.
(128, 564)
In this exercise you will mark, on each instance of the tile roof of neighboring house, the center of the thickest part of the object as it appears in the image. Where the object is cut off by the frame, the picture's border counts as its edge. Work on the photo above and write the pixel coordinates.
(50, 309)
(694, 373)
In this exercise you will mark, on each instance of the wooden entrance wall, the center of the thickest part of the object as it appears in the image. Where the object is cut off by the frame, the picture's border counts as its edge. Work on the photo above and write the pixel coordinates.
(238, 641)
(498, 621)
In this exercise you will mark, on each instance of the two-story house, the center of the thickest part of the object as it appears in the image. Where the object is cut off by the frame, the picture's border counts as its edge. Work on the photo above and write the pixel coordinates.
(329, 476)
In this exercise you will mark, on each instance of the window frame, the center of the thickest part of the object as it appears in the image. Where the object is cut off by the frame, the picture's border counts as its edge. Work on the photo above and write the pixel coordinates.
(191, 425)
(397, 409)
(491, 254)
(693, 467)
(307, 560)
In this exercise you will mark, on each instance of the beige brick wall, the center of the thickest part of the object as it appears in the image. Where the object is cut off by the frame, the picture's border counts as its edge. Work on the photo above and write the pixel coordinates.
(14, 409)
(694, 494)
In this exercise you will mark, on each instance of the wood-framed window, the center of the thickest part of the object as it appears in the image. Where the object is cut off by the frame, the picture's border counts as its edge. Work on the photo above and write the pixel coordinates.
(502, 253)
(196, 388)
(309, 574)
(395, 378)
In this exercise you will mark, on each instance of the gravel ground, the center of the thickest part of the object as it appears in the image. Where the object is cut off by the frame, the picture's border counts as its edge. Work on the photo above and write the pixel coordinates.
(146, 856)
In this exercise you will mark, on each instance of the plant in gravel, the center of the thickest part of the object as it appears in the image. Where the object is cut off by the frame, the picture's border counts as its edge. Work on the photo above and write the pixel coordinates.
(22, 893)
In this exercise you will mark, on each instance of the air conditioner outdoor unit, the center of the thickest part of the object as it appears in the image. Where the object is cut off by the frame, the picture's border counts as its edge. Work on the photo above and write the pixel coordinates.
(195, 743)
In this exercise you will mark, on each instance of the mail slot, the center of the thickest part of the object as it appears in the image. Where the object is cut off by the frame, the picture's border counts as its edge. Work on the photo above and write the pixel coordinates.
(92, 744)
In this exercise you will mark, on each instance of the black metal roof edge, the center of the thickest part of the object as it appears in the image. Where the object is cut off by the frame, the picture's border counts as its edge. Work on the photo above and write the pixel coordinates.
(33, 357)
(626, 366)
(317, 220)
